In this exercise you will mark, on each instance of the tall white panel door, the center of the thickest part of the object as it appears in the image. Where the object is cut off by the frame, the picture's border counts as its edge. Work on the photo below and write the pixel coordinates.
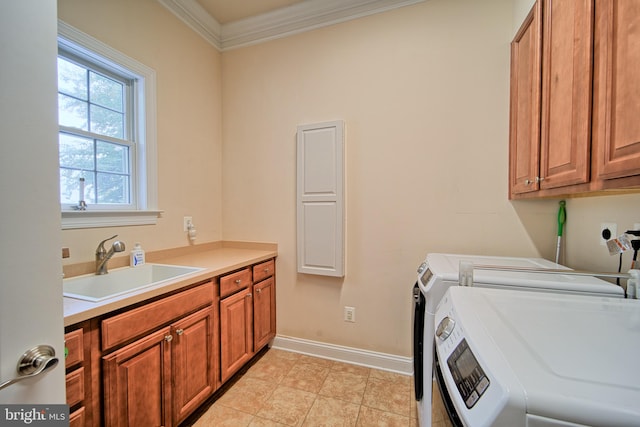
(31, 303)
(320, 199)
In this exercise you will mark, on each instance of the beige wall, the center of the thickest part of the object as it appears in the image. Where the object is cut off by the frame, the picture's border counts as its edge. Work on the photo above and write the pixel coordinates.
(423, 91)
(188, 116)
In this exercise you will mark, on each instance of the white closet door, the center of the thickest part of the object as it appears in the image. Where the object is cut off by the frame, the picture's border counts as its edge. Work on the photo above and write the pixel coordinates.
(320, 199)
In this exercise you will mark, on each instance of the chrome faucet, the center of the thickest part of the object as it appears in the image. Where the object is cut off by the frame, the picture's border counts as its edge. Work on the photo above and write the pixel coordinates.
(103, 257)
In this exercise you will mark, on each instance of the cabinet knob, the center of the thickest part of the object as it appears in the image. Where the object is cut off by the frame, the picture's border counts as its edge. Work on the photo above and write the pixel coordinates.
(266, 270)
(248, 295)
(238, 281)
(168, 338)
(258, 290)
(180, 331)
(537, 180)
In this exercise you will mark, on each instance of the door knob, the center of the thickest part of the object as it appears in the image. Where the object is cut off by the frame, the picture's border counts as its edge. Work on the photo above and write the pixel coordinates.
(34, 362)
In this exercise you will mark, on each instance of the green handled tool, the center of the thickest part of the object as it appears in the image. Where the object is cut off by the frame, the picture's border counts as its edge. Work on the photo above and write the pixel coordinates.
(562, 218)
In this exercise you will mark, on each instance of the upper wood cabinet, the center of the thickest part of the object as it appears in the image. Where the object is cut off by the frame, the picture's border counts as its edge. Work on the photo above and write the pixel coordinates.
(565, 126)
(575, 98)
(524, 144)
(616, 110)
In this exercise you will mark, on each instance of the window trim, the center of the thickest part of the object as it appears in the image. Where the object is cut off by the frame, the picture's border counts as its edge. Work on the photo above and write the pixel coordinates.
(146, 137)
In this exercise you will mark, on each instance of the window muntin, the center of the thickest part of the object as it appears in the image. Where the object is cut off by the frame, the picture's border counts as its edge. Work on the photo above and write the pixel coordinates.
(96, 134)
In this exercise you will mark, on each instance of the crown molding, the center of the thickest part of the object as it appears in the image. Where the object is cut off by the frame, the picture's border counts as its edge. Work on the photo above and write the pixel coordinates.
(196, 17)
(283, 22)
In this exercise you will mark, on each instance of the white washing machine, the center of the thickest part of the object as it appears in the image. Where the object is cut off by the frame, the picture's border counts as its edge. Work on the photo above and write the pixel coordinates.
(441, 271)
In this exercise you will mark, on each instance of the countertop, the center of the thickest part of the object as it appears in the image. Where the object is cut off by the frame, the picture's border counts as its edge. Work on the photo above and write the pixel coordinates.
(216, 261)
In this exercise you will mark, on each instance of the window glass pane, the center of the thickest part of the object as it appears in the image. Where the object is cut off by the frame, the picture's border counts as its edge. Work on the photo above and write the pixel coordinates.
(113, 188)
(106, 92)
(70, 186)
(107, 122)
(72, 79)
(76, 152)
(112, 157)
(95, 136)
(72, 112)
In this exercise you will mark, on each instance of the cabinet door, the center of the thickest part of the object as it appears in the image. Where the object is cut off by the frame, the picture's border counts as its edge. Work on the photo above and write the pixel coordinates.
(264, 312)
(137, 383)
(236, 332)
(194, 357)
(617, 88)
(566, 92)
(524, 128)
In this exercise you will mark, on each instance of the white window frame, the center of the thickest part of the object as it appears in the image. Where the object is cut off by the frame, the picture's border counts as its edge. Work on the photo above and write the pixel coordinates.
(146, 179)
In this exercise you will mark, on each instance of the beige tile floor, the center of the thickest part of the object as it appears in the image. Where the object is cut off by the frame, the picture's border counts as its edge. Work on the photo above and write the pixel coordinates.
(289, 389)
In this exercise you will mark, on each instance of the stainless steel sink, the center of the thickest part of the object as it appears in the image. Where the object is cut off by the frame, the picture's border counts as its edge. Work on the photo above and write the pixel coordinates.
(121, 281)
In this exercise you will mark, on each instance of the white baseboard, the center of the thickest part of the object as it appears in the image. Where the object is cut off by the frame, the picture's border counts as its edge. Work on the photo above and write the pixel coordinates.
(356, 356)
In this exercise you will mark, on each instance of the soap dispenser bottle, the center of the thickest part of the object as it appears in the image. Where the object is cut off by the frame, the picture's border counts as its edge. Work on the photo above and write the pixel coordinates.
(137, 256)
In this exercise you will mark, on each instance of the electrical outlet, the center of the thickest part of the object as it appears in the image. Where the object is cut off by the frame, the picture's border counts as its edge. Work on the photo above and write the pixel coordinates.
(187, 220)
(636, 226)
(613, 229)
(350, 314)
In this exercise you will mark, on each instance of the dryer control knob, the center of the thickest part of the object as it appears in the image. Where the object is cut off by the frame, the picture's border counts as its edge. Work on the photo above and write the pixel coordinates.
(445, 327)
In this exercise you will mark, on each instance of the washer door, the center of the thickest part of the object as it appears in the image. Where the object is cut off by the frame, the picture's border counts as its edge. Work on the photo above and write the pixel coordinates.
(419, 306)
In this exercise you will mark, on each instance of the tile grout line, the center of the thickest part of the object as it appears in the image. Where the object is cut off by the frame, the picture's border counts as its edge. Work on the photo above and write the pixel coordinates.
(279, 377)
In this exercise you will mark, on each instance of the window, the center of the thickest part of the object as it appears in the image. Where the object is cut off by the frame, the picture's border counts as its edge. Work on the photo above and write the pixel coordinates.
(96, 144)
(106, 116)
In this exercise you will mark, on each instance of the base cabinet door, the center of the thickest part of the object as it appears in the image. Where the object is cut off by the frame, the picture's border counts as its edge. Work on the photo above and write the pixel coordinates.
(194, 362)
(236, 332)
(77, 418)
(264, 312)
(137, 383)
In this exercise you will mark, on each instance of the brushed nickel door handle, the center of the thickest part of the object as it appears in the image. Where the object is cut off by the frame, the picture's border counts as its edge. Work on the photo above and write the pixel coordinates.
(34, 362)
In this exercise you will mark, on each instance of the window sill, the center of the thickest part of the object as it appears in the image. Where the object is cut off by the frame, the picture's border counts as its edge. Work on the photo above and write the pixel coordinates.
(106, 218)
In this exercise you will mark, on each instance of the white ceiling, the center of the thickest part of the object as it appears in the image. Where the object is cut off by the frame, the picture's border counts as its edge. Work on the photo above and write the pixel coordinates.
(225, 11)
(229, 24)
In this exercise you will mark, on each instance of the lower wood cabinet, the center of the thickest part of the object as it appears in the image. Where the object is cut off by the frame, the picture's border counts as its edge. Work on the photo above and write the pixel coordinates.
(160, 379)
(264, 312)
(247, 318)
(156, 363)
(195, 362)
(78, 379)
(77, 418)
(137, 382)
(236, 332)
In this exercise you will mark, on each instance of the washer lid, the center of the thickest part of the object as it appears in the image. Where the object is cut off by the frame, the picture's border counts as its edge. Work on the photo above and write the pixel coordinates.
(577, 357)
(446, 266)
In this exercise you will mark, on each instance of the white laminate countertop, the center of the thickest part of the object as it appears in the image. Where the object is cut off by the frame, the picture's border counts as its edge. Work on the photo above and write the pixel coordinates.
(215, 262)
